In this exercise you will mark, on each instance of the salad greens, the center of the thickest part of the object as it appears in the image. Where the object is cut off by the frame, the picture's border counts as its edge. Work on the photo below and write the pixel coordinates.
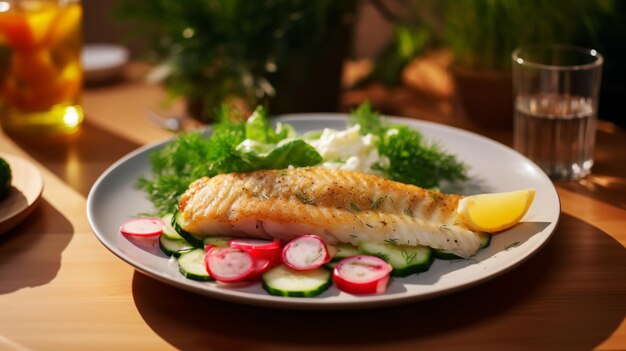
(244, 146)
(411, 159)
(191, 155)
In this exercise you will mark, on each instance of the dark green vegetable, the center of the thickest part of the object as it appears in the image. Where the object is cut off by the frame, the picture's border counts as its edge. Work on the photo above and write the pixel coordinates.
(174, 247)
(5, 177)
(178, 224)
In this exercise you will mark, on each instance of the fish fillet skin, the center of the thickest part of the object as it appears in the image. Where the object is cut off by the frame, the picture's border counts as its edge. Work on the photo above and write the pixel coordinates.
(338, 206)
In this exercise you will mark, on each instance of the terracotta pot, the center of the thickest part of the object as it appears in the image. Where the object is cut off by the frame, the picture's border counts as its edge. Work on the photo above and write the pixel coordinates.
(486, 96)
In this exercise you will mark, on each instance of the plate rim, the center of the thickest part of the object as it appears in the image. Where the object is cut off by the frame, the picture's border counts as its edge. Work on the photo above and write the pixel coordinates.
(312, 303)
(11, 220)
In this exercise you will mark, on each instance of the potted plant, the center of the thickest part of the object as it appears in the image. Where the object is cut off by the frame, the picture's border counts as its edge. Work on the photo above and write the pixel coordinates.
(284, 54)
(482, 34)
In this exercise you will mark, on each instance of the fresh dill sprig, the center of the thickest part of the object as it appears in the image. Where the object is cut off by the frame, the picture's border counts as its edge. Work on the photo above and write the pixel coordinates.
(412, 159)
(354, 208)
(435, 196)
(444, 228)
(304, 198)
(261, 197)
(512, 245)
(377, 202)
(392, 241)
(409, 257)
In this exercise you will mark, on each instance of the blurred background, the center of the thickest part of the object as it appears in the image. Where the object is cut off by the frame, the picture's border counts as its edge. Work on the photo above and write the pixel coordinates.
(407, 57)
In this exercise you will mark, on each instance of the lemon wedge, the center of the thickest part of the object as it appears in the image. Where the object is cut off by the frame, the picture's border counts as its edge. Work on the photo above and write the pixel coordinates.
(495, 212)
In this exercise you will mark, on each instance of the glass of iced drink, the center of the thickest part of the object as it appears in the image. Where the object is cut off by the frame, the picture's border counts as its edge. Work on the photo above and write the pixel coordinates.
(40, 68)
(556, 101)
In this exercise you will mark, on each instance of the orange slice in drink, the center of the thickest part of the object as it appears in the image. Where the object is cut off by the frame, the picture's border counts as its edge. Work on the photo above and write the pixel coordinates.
(70, 82)
(34, 67)
(17, 32)
(26, 28)
(40, 19)
(66, 24)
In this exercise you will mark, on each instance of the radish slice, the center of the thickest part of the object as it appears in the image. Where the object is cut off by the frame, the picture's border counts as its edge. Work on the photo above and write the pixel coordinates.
(142, 227)
(229, 264)
(263, 250)
(260, 266)
(362, 274)
(305, 252)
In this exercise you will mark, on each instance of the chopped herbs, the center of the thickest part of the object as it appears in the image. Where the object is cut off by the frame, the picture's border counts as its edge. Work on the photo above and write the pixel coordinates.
(354, 208)
(444, 228)
(261, 197)
(435, 196)
(512, 245)
(379, 201)
(409, 212)
(302, 196)
(392, 241)
(409, 257)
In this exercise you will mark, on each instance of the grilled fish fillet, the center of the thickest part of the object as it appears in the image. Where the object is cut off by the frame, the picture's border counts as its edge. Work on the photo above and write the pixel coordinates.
(338, 206)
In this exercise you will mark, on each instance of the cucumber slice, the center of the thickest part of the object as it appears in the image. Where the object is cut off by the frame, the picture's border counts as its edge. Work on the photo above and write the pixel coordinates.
(485, 240)
(169, 231)
(178, 224)
(284, 281)
(345, 250)
(218, 241)
(448, 255)
(173, 247)
(404, 259)
(191, 265)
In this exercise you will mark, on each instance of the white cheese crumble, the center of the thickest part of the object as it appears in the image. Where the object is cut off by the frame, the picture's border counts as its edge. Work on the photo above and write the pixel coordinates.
(348, 150)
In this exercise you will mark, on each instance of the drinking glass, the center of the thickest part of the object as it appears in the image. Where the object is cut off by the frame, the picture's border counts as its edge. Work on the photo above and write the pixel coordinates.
(556, 101)
(40, 69)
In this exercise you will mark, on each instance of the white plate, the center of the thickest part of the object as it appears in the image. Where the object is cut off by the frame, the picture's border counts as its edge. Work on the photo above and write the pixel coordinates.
(26, 188)
(103, 61)
(494, 167)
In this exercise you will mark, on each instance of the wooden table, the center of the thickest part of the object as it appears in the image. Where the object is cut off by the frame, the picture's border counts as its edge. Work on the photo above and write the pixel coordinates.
(60, 289)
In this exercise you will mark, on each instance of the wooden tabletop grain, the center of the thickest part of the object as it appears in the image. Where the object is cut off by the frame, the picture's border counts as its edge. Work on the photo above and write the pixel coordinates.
(60, 289)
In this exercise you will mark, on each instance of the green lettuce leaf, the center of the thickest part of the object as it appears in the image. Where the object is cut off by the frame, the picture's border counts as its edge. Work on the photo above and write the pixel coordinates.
(259, 129)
